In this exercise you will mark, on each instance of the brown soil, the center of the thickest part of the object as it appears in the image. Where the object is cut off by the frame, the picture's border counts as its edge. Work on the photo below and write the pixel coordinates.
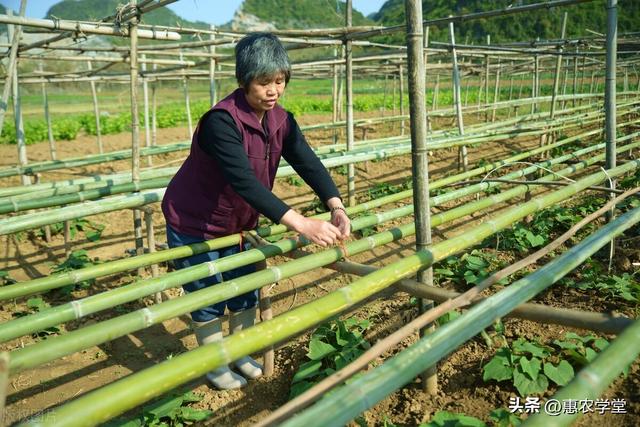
(461, 388)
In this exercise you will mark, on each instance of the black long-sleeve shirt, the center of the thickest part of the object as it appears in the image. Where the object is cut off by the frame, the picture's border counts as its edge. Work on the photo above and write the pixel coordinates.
(219, 137)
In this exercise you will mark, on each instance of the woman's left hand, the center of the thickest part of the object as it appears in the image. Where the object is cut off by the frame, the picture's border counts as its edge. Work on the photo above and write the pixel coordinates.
(341, 220)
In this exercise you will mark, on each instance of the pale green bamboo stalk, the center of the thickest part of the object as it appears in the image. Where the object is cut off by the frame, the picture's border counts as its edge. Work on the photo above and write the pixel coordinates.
(362, 393)
(83, 161)
(115, 398)
(110, 329)
(62, 279)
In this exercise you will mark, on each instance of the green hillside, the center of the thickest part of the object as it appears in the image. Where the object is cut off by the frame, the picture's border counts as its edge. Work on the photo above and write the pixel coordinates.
(94, 10)
(543, 23)
(286, 14)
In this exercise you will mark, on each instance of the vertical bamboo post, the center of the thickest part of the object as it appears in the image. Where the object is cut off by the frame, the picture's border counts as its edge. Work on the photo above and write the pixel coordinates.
(535, 89)
(17, 115)
(67, 238)
(393, 94)
(96, 110)
(145, 97)
(564, 84)
(384, 95)
(436, 90)
(154, 108)
(463, 161)
(610, 84)
(575, 78)
(187, 102)
(351, 176)
(12, 67)
(212, 70)
(593, 79)
(401, 79)
(334, 97)
(426, 61)
(340, 101)
(151, 244)
(480, 91)
(420, 162)
(486, 81)
(135, 129)
(47, 117)
(4, 381)
(583, 71)
(556, 79)
(496, 93)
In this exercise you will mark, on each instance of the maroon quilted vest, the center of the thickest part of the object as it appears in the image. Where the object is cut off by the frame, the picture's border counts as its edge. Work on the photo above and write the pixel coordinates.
(199, 201)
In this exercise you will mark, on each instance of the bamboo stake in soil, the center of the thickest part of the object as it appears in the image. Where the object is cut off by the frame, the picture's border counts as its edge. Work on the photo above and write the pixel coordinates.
(96, 111)
(212, 69)
(496, 93)
(135, 131)
(419, 159)
(151, 244)
(145, 98)
(187, 103)
(14, 36)
(17, 109)
(463, 161)
(47, 117)
(351, 170)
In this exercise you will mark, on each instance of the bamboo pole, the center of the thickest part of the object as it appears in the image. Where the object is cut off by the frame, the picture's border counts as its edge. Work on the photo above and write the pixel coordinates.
(47, 118)
(536, 83)
(486, 79)
(14, 36)
(187, 105)
(575, 77)
(347, 402)
(556, 80)
(212, 69)
(436, 92)
(463, 161)
(419, 158)
(401, 81)
(135, 129)
(87, 28)
(334, 96)
(610, 83)
(96, 111)
(4, 380)
(154, 109)
(17, 117)
(145, 98)
(125, 394)
(351, 171)
(151, 244)
(496, 93)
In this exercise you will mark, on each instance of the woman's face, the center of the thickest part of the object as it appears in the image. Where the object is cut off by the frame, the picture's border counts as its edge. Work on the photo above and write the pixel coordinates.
(263, 93)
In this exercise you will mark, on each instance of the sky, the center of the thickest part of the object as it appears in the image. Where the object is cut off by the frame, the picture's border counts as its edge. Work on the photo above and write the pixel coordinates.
(200, 10)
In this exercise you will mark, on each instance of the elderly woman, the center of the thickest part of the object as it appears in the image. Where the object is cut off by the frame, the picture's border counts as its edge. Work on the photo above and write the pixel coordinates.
(226, 182)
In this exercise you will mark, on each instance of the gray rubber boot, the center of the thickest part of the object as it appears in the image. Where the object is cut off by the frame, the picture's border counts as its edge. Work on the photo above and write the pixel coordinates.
(237, 322)
(222, 378)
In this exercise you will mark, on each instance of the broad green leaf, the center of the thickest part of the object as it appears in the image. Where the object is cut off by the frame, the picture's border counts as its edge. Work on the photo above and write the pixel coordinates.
(193, 414)
(449, 419)
(601, 343)
(476, 263)
(191, 396)
(521, 345)
(504, 418)
(590, 354)
(498, 369)
(319, 349)
(560, 374)
(534, 240)
(526, 386)
(307, 370)
(530, 367)
(566, 344)
(577, 357)
(164, 407)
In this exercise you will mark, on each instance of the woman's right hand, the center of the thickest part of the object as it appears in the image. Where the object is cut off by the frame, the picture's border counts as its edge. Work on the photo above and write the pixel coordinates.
(321, 232)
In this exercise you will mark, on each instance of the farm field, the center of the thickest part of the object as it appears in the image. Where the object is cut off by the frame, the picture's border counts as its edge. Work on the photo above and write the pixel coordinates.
(492, 273)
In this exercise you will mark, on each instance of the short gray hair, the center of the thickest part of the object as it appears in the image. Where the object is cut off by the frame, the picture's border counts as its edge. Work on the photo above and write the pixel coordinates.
(261, 55)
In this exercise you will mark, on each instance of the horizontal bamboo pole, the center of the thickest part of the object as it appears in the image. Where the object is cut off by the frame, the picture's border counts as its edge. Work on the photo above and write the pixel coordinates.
(87, 28)
(362, 393)
(600, 322)
(54, 281)
(114, 59)
(115, 398)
